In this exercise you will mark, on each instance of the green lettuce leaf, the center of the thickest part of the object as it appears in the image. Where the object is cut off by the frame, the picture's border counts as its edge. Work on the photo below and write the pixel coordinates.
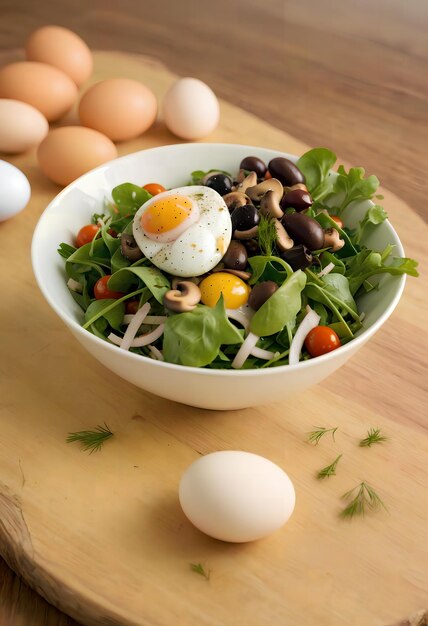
(316, 165)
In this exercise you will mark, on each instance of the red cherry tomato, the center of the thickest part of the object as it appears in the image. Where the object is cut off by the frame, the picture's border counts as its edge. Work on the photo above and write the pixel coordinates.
(102, 292)
(268, 175)
(337, 219)
(131, 307)
(86, 234)
(154, 188)
(321, 340)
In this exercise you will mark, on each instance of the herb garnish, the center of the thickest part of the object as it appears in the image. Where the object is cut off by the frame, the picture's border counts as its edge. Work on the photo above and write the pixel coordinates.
(366, 497)
(198, 568)
(373, 436)
(329, 470)
(91, 439)
(316, 435)
(267, 235)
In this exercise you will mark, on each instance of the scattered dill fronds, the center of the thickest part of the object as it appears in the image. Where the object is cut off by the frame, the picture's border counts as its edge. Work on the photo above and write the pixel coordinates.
(267, 235)
(329, 470)
(198, 568)
(373, 436)
(320, 431)
(363, 497)
(91, 439)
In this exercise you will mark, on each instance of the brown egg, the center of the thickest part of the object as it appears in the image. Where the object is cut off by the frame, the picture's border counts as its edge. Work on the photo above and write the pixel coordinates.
(44, 87)
(63, 49)
(70, 151)
(120, 108)
(21, 126)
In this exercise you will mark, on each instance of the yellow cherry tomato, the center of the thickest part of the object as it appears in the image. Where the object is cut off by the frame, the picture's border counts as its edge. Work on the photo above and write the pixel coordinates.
(235, 291)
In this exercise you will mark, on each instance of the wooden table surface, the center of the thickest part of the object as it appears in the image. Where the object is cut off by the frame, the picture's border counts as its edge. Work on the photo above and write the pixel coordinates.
(349, 74)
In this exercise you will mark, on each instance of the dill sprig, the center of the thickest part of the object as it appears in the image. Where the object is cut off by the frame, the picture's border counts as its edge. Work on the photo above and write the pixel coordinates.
(329, 470)
(363, 497)
(373, 436)
(315, 436)
(267, 235)
(91, 439)
(198, 568)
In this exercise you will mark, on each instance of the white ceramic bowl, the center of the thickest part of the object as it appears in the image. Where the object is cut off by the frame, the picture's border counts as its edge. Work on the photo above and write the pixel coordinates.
(206, 388)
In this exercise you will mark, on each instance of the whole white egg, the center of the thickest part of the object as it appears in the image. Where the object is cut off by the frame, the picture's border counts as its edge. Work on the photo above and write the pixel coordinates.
(15, 190)
(191, 109)
(184, 231)
(236, 496)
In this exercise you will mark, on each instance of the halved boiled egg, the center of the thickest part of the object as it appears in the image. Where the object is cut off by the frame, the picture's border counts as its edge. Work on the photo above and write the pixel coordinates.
(184, 231)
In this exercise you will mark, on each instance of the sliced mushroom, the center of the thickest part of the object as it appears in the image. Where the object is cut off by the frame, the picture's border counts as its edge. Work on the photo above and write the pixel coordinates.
(234, 199)
(239, 273)
(269, 204)
(257, 192)
(332, 240)
(284, 241)
(249, 181)
(184, 298)
(246, 234)
(129, 248)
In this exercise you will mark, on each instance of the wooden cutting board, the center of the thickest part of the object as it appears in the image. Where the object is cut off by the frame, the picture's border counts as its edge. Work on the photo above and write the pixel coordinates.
(103, 537)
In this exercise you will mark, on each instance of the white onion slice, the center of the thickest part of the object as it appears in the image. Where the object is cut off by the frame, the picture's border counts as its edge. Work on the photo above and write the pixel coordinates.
(239, 316)
(259, 353)
(326, 270)
(245, 350)
(310, 321)
(149, 319)
(73, 285)
(157, 354)
(144, 340)
(133, 327)
(141, 340)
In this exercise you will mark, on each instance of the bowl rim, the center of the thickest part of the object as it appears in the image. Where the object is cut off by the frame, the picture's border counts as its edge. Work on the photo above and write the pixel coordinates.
(349, 347)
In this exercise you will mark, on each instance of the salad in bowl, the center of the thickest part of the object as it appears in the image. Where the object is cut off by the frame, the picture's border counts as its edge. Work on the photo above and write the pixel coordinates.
(198, 271)
(254, 268)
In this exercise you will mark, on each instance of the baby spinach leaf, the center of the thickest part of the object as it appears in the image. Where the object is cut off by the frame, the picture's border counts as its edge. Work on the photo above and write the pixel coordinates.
(194, 338)
(375, 215)
(128, 198)
(152, 278)
(102, 309)
(353, 187)
(328, 257)
(265, 268)
(83, 261)
(112, 243)
(281, 308)
(65, 250)
(337, 285)
(118, 261)
(316, 165)
(102, 312)
(319, 294)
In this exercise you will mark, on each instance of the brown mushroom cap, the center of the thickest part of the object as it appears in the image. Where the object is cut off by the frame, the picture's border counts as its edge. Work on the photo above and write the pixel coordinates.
(249, 181)
(239, 273)
(269, 204)
(184, 298)
(246, 234)
(234, 199)
(284, 241)
(258, 191)
(332, 239)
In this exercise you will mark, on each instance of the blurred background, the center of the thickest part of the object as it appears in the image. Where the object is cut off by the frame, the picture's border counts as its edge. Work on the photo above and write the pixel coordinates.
(346, 74)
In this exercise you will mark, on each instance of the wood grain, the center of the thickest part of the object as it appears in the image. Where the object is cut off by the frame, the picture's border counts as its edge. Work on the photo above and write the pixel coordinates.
(109, 555)
(324, 71)
(349, 74)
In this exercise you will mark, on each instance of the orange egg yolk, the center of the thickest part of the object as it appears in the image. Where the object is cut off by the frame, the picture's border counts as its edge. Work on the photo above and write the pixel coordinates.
(166, 214)
(235, 291)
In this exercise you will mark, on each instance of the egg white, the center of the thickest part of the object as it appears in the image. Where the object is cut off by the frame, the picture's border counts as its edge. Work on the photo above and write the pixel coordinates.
(199, 248)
